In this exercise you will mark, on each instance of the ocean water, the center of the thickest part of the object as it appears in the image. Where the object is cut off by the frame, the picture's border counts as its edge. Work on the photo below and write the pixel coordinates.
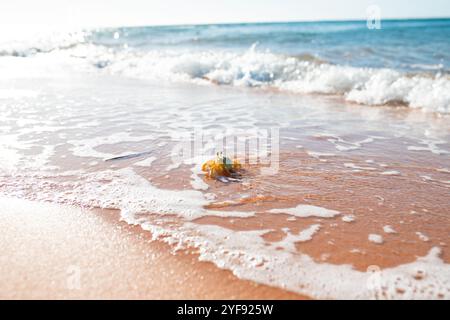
(406, 62)
(353, 200)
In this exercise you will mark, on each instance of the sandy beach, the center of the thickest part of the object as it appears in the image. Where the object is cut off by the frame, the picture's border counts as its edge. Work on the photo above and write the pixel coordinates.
(337, 161)
(343, 201)
(55, 252)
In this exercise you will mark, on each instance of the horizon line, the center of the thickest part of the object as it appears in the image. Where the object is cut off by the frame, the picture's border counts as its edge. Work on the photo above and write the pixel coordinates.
(267, 22)
(140, 25)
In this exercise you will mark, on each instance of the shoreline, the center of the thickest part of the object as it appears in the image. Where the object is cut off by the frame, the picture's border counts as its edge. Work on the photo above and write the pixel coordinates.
(385, 172)
(57, 252)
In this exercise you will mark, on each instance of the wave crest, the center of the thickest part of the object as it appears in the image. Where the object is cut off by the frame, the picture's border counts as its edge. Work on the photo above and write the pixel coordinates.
(255, 68)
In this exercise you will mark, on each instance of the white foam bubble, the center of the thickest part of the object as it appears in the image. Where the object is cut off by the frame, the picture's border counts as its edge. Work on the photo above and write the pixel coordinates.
(422, 236)
(431, 146)
(428, 178)
(376, 238)
(307, 234)
(317, 155)
(391, 173)
(304, 211)
(389, 229)
(196, 181)
(133, 195)
(348, 218)
(289, 241)
(354, 166)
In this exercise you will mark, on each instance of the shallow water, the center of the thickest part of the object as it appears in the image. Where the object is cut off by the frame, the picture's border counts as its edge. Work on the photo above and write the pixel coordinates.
(337, 200)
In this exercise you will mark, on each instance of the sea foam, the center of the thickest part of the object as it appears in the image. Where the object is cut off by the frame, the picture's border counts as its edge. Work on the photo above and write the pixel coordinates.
(427, 90)
(255, 68)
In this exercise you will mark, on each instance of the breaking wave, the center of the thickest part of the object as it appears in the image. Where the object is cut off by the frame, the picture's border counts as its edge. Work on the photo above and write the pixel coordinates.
(428, 89)
(306, 74)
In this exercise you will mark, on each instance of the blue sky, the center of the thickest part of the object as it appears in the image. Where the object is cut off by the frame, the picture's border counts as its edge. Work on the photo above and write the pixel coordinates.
(156, 12)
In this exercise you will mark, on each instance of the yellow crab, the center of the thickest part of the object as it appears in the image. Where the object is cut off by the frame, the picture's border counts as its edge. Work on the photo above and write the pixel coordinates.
(221, 167)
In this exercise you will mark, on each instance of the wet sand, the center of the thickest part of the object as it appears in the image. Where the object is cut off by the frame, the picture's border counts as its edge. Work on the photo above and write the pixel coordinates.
(50, 251)
(385, 170)
(409, 214)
